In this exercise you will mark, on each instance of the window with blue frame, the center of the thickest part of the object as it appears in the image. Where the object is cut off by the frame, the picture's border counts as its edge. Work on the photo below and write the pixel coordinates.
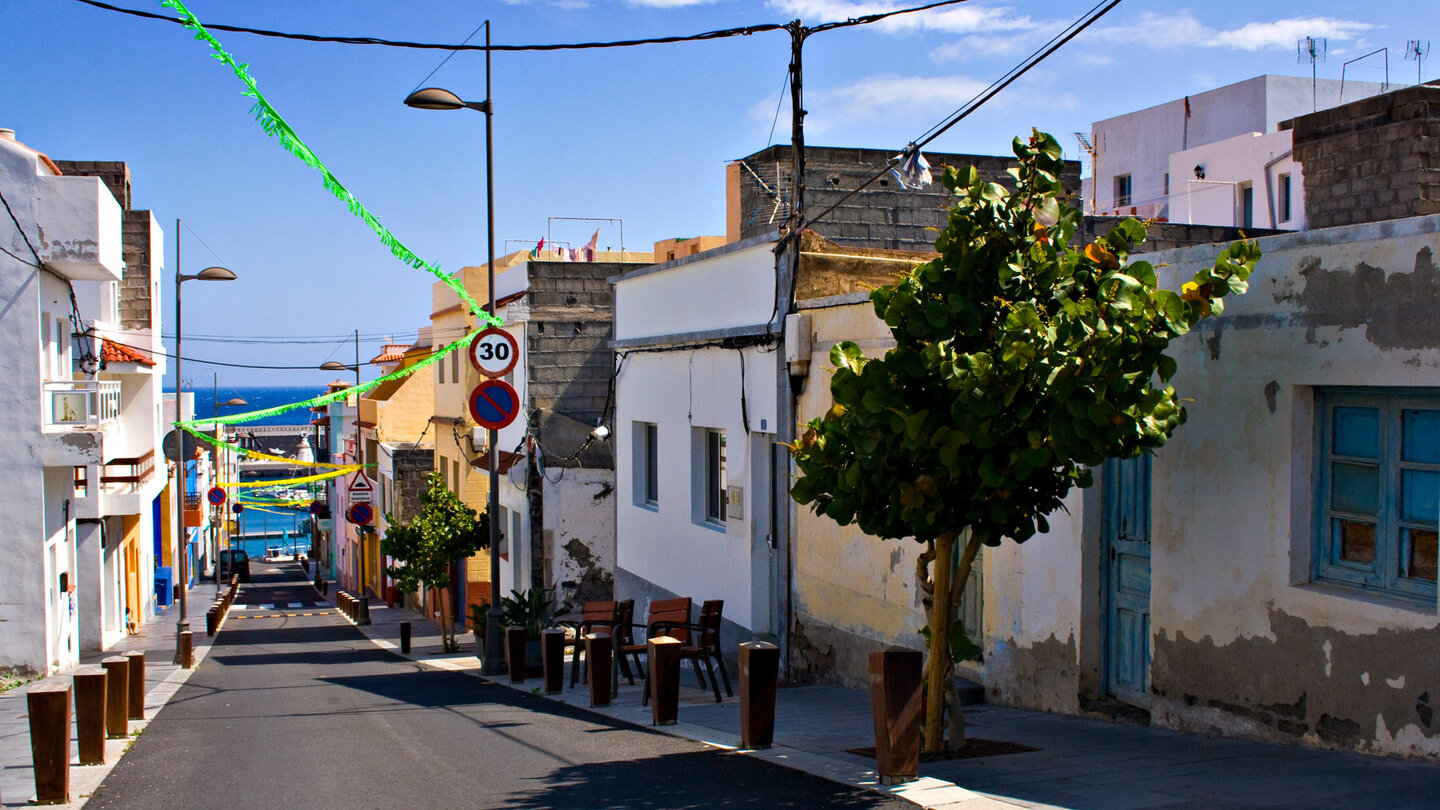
(1379, 493)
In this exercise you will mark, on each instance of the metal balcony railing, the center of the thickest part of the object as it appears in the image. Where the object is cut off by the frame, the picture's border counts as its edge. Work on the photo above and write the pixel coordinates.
(133, 471)
(81, 403)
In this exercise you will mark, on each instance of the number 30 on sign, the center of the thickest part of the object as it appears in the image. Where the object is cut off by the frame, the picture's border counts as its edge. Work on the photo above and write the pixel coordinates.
(494, 352)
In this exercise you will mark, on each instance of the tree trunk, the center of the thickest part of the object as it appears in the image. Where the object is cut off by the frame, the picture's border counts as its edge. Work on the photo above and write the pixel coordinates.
(939, 663)
(962, 576)
(447, 640)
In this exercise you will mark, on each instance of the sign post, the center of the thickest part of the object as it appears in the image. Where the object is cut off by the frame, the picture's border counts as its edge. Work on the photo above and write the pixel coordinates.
(361, 495)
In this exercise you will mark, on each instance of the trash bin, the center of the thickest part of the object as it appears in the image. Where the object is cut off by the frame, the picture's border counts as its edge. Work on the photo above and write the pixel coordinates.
(163, 589)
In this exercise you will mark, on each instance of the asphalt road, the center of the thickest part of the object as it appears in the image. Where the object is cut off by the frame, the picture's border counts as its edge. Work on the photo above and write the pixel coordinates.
(304, 712)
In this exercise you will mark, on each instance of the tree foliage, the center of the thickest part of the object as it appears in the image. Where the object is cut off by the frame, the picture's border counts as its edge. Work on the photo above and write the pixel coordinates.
(426, 548)
(1021, 361)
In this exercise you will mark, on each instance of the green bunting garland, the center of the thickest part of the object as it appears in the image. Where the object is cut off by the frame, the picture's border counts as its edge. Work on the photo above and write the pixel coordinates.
(276, 126)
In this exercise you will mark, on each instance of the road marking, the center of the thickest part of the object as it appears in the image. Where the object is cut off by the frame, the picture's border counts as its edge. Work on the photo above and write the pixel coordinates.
(285, 615)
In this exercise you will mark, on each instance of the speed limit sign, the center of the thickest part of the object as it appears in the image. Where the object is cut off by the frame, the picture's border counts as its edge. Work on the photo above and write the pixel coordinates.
(494, 352)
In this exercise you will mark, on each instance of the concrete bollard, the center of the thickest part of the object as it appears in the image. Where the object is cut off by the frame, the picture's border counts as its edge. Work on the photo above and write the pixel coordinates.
(515, 652)
(405, 632)
(598, 649)
(136, 658)
(117, 696)
(895, 676)
(759, 683)
(49, 705)
(663, 659)
(90, 714)
(552, 659)
(187, 649)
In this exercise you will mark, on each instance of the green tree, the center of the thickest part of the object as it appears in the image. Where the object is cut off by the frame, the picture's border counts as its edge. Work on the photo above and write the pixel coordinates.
(1020, 363)
(427, 548)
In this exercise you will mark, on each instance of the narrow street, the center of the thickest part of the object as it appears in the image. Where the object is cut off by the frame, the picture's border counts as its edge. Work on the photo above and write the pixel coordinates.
(293, 710)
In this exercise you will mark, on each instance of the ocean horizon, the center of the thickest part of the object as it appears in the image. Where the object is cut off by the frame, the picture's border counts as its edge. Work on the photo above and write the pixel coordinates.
(259, 397)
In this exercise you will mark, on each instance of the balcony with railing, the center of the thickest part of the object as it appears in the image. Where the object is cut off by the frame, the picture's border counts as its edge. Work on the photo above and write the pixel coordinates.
(127, 474)
(81, 403)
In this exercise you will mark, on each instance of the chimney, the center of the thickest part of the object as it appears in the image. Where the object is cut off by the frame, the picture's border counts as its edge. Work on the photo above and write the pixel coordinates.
(7, 134)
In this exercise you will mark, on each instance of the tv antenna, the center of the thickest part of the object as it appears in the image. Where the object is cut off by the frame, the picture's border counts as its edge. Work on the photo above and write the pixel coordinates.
(1312, 48)
(1089, 149)
(1417, 49)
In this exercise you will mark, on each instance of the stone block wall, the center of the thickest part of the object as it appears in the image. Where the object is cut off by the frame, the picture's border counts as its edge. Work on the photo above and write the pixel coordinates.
(570, 362)
(411, 465)
(1371, 160)
(1169, 235)
(882, 215)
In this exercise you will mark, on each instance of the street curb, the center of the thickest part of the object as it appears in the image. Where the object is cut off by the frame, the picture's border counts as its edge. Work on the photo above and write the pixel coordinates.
(927, 792)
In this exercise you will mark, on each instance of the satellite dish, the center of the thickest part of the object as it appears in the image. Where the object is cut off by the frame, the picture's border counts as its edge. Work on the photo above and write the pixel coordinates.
(178, 445)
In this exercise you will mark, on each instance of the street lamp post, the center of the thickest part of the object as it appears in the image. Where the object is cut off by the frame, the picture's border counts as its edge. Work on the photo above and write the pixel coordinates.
(434, 98)
(233, 402)
(208, 274)
(335, 365)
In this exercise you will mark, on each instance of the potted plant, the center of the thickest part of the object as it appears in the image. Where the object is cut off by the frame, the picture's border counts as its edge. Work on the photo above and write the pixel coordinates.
(533, 609)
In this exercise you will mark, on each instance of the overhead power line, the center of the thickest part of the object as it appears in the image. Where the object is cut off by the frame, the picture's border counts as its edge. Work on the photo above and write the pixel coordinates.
(724, 33)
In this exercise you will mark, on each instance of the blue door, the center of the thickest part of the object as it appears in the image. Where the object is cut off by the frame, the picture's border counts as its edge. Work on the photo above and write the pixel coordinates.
(1125, 489)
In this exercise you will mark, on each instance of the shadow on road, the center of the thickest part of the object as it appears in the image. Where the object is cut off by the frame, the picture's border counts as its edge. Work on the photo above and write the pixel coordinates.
(709, 779)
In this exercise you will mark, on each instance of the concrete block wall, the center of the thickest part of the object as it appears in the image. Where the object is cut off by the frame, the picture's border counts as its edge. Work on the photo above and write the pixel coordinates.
(411, 466)
(136, 283)
(883, 215)
(1169, 235)
(569, 359)
(1371, 160)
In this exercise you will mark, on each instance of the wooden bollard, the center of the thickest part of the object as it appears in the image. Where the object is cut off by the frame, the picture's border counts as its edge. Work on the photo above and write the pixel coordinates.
(49, 705)
(90, 714)
(186, 646)
(515, 652)
(759, 682)
(117, 696)
(663, 660)
(137, 684)
(212, 620)
(552, 659)
(895, 704)
(598, 649)
(405, 632)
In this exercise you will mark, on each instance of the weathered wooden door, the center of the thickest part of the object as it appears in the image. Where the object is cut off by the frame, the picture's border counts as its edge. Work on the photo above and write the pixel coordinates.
(1126, 539)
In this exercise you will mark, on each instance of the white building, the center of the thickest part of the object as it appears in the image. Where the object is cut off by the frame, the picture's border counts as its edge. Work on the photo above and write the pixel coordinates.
(82, 394)
(1214, 158)
(695, 431)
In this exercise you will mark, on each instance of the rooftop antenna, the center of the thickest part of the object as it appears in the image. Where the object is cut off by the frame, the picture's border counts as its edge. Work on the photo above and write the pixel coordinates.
(1417, 49)
(1312, 48)
(1089, 149)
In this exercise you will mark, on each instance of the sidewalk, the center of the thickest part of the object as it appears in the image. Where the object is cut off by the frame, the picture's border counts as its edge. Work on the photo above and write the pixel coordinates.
(162, 678)
(1078, 762)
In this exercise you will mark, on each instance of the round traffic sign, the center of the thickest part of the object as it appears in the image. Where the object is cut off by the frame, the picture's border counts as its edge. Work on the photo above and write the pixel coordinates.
(360, 514)
(316, 507)
(494, 352)
(238, 508)
(494, 404)
(215, 496)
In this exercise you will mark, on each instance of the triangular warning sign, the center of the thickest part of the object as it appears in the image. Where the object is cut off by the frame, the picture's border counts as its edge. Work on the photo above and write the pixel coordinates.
(360, 483)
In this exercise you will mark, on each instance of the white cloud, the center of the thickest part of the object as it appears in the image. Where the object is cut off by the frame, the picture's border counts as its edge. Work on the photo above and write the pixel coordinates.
(1258, 36)
(965, 19)
(668, 3)
(1182, 29)
(893, 99)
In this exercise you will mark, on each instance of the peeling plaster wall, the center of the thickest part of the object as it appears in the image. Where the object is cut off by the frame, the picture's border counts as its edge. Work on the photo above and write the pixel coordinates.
(1033, 616)
(1244, 642)
(579, 520)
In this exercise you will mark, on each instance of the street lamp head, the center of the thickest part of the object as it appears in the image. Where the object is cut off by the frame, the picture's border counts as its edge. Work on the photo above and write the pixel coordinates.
(335, 365)
(436, 98)
(235, 402)
(208, 274)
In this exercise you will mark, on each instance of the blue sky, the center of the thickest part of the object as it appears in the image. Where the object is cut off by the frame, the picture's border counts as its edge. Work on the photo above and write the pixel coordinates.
(638, 134)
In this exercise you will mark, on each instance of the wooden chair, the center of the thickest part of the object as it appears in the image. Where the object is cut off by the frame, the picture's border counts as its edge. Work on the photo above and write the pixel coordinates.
(599, 617)
(665, 617)
(707, 647)
(625, 637)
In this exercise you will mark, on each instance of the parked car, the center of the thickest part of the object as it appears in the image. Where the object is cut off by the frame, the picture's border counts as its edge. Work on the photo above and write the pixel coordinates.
(234, 561)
